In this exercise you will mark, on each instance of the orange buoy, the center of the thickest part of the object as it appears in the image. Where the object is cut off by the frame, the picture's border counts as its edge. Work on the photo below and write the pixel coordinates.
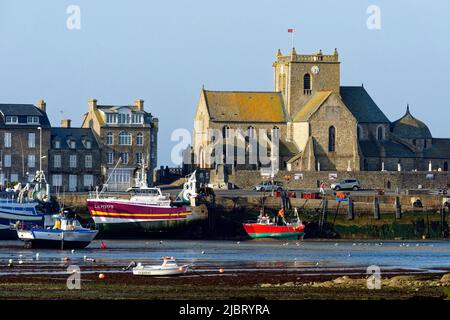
(221, 270)
(101, 276)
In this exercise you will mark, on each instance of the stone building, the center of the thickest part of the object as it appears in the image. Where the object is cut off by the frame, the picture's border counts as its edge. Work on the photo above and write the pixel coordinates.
(74, 159)
(322, 125)
(21, 128)
(128, 133)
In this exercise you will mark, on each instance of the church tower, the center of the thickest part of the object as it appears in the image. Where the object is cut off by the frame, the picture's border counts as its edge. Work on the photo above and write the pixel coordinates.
(299, 76)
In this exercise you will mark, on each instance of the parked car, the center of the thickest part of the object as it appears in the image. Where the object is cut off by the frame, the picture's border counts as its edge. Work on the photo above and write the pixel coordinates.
(352, 184)
(269, 186)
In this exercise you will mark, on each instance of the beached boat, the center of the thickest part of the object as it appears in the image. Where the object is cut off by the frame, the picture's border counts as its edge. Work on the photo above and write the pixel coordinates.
(145, 208)
(66, 233)
(169, 267)
(279, 229)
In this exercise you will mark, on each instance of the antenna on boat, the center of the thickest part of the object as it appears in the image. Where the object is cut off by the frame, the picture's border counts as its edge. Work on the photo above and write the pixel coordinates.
(109, 177)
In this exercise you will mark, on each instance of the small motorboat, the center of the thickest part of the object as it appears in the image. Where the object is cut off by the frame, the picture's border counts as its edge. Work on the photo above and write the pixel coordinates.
(66, 233)
(169, 267)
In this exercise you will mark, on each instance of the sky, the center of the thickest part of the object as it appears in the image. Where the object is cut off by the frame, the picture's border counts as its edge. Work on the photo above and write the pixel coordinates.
(164, 51)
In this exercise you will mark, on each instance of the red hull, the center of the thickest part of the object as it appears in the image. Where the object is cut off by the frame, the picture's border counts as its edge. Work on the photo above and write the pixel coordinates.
(257, 230)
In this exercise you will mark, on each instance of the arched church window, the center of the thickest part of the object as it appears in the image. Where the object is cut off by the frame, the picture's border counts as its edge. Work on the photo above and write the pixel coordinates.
(360, 132)
(331, 139)
(380, 133)
(307, 83)
(226, 132)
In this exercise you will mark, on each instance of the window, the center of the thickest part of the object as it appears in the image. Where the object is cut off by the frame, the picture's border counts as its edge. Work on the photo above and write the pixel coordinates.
(137, 118)
(57, 144)
(307, 84)
(380, 133)
(360, 132)
(33, 120)
(88, 144)
(57, 180)
(414, 142)
(124, 138)
(124, 118)
(8, 161)
(251, 132)
(88, 161)
(72, 182)
(110, 157)
(139, 157)
(445, 166)
(14, 177)
(425, 144)
(11, 119)
(111, 118)
(109, 138)
(140, 139)
(73, 161)
(124, 157)
(57, 161)
(276, 132)
(7, 139)
(88, 180)
(331, 139)
(31, 161)
(226, 132)
(31, 140)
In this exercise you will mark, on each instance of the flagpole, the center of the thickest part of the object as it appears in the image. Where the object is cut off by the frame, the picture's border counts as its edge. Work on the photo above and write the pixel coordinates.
(292, 38)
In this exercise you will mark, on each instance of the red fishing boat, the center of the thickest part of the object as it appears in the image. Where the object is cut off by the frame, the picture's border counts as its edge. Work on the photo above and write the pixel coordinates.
(265, 228)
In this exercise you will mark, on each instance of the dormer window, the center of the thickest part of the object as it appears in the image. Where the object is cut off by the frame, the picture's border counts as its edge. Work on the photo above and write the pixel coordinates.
(137, 118)
(11, 120)
(57, 144)
(33, 120)
(111, 118)
(72, 144)
(88, 144)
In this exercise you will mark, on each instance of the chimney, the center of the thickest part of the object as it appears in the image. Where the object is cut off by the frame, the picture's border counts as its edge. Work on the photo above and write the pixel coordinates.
(65, 123)
(42, 105)
(92, 104)
(139, 103)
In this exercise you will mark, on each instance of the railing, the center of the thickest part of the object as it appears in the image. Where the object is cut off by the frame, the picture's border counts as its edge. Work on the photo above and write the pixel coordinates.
(309, 58)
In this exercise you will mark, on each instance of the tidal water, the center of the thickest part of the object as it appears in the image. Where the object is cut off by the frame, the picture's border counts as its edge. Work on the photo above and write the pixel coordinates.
(247, 256)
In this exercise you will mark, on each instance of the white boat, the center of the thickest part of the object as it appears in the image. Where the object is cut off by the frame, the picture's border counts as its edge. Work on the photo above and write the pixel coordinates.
(169, 267)
(66, 233)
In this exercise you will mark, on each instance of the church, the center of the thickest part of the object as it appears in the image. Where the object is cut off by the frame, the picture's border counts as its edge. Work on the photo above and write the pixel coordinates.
(322, 125)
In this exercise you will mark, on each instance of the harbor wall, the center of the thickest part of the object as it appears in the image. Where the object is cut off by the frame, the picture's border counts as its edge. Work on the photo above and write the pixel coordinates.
(389, 180)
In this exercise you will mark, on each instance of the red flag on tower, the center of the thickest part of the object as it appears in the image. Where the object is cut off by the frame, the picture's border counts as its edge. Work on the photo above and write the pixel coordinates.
(290, 30)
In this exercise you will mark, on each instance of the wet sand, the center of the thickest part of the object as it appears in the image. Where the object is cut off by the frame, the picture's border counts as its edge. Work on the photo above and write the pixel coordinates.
(273, 270)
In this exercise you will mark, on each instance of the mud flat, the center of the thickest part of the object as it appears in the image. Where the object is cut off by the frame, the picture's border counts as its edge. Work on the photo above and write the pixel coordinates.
(255, 285)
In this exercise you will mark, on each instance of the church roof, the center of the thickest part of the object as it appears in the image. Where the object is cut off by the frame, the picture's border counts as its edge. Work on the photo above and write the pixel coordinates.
(440, 149)
(245, 106)
(410, 128)
(361, 105)
(385, 148)
(311, 106)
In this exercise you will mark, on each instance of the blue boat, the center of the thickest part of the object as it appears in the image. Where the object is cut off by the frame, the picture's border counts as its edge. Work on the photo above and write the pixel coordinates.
(18, 207)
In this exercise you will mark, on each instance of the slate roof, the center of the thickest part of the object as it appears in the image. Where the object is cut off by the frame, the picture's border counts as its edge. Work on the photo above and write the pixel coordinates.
(391, 149)
(409, 127)
(245, 106)
(440, 149)
(77, 134)
(361, 105)
(22, 111)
